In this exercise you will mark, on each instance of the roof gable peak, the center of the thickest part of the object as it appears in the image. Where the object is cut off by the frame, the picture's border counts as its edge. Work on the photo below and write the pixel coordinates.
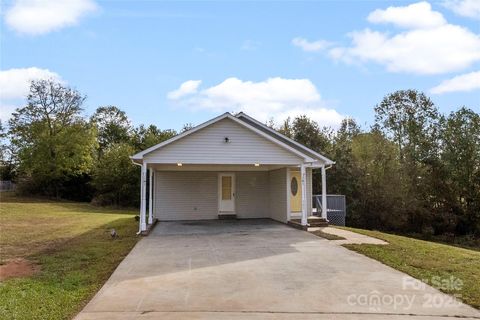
(277, 138)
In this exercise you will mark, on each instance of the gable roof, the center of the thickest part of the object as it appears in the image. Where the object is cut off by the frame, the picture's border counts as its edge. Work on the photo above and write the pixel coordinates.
(242, 119)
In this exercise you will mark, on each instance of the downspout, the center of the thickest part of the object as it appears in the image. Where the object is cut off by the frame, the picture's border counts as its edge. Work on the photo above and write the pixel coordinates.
(140, 218)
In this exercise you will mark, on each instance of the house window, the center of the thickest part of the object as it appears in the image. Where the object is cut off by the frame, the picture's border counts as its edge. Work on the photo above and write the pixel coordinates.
(294, 186)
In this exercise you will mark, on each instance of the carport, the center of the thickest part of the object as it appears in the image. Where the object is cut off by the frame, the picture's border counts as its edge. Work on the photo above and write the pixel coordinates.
(229, 167)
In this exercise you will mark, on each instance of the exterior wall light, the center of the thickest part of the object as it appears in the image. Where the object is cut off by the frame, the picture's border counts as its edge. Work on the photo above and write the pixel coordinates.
(227, 140)
(179, 164)
(257, 164)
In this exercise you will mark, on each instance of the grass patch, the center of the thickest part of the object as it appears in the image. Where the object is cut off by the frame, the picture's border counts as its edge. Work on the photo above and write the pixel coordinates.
(466, 241)
(328, 236)
(71, 243)
(426, 260)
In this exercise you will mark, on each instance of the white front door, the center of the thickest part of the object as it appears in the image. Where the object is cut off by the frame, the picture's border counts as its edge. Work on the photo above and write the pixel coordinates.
(226, 193)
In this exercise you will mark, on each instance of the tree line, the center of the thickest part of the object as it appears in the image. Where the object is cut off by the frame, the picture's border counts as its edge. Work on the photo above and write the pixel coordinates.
(414, 170)
(53, 151)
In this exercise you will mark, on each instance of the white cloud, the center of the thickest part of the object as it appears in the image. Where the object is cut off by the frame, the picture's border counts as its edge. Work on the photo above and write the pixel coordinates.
(311, 46)
(422, 51)
(186, 88)
(465, 82)
(15, 85)
(36, 17)
(6, 111)
(276, 98)
(416, 15)
(465, 8)
(323, 116)
(430, 45)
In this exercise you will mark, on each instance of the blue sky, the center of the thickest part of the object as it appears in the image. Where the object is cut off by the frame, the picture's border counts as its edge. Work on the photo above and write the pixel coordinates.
(328, 59)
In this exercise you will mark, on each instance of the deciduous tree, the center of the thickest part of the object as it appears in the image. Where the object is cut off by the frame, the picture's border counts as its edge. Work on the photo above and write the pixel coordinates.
(461, 158)
(113, 126)
(115, 178)
(145, 137)
(51, 140)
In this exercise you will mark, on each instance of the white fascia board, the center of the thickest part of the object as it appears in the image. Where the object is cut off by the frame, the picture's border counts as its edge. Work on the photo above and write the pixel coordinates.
(322, 157)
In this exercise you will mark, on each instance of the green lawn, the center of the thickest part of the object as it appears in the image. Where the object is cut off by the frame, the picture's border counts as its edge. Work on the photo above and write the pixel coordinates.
(427, 260)
(72, 245)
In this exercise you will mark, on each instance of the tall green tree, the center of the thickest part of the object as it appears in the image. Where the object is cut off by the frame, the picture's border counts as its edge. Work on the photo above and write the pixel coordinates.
(342, 177)
(286, 128)
(113, 126)
(52, 141)
(115, 178)
(308, 132)
(379, 201)
(145, 137)
(7, 162)
(461, 157)
(411, 120)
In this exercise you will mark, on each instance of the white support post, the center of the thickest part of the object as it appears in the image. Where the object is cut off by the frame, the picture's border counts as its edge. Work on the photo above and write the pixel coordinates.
(154, 202)
(150, 197)
(288, 178)
(303, 176)
(143, 200)
(324, 192)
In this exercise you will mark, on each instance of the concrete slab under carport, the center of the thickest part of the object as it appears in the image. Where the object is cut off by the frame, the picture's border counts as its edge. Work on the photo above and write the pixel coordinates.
(254, 269)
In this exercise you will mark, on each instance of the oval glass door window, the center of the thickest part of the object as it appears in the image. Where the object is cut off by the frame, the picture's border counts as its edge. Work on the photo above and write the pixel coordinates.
(294, 186)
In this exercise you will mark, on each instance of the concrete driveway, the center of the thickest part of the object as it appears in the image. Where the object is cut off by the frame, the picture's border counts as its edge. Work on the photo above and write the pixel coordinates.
(258, 269)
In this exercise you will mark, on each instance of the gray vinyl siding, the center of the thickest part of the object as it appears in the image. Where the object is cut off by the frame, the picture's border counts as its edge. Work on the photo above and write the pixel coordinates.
(277, 189)
(279, 137)
(193, 195)
(186, 195)
(252, 194)
(208, 146)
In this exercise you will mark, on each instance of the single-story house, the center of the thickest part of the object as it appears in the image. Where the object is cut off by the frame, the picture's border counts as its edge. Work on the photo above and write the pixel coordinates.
(229, 166)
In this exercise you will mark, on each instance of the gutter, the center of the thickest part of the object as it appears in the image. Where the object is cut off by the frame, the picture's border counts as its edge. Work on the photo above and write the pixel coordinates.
(310, 165)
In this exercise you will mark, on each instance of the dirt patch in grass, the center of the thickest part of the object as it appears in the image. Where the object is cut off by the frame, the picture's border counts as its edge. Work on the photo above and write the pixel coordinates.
(18, 268)
(328, 236)
(72, 250)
